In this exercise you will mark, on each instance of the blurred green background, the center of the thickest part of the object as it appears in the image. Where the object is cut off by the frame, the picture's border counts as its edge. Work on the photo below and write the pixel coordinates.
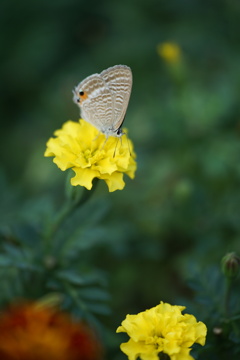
(181, 212)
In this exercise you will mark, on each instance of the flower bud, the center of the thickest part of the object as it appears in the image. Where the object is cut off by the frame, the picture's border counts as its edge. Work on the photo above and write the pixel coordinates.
(231, 265)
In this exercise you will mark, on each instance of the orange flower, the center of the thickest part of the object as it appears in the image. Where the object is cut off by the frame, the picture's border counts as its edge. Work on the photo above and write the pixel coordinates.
(30, 331)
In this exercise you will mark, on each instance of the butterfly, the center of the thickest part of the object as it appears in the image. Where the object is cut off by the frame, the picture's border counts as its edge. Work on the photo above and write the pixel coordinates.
(103, 99)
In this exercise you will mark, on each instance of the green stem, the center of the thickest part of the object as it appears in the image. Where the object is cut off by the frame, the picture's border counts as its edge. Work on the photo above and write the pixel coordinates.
(75, 296)
(228, 288)
(77, 199)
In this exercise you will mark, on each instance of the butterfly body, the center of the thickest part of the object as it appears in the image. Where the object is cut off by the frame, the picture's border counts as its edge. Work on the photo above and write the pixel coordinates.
(103, 99)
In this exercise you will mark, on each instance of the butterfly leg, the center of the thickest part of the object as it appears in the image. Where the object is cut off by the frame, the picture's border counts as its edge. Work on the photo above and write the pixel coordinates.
(99, 133)
(104, 142)
(116, 146)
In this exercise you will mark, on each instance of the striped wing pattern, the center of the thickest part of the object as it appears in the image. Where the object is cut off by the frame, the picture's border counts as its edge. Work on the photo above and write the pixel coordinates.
(119, 80)
(107, 97)
(97, 108)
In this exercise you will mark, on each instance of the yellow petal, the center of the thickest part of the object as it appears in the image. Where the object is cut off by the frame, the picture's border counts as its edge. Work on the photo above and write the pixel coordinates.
(162, 328)
(106, 166)
(114, 181)
(134, 350)
(80, 146)
(84, 177)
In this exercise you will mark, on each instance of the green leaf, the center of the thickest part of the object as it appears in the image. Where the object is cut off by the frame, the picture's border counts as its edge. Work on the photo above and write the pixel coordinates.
(71, 277)
(5, 261)
(99, 309)
(94, 294)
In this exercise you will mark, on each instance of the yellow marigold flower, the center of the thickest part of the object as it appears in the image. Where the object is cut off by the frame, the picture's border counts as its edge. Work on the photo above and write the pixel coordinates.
(80, 146)
(32, 332)
(162, 329)
(170, 52)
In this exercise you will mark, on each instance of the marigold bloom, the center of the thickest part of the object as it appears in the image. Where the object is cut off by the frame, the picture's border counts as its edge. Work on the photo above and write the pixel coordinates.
(170, 52)
(34, 332)
(80, 146)
(162, 329)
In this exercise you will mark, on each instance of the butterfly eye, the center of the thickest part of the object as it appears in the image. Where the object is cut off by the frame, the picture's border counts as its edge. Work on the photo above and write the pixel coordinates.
(83, 95)
(119, 131)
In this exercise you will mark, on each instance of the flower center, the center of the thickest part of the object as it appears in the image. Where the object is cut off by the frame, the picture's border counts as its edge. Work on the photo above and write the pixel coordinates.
(92, 157)
(156, 340)
(87, 154)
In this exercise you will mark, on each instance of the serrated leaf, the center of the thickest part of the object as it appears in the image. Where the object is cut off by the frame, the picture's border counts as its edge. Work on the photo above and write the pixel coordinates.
(100, 309)
(12, 250)
(5, 261)
(94, 294)
(27, 266)
(71, 277)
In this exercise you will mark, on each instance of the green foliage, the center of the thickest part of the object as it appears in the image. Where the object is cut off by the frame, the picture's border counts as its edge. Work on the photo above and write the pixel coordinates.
(126, 251)
(51, 256)
(217, 302)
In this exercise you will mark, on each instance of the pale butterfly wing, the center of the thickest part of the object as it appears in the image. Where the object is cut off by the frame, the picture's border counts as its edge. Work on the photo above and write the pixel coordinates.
(119, 80)
(96, 107)
(103, 98)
